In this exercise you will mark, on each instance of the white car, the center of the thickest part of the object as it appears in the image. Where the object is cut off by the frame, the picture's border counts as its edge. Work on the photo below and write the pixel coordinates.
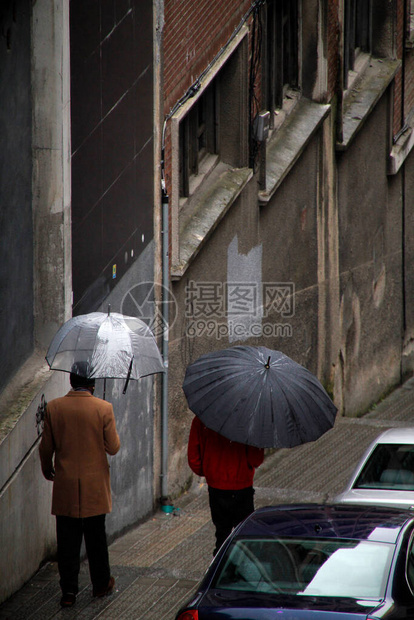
(385, 474)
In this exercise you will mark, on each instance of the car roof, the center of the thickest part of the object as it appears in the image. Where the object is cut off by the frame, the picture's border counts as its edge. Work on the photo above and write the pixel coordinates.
(396, 435)
(355, 522)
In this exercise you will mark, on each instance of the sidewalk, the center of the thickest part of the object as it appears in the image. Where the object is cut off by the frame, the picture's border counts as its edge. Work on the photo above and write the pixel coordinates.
(157, 565)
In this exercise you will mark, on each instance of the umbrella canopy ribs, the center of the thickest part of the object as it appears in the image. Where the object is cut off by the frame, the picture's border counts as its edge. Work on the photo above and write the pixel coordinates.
(112, 346)
(258, 397)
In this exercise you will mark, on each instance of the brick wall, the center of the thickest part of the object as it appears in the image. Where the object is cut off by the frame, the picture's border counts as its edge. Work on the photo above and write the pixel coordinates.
(409, 83)
(194, 33)
(333, 40)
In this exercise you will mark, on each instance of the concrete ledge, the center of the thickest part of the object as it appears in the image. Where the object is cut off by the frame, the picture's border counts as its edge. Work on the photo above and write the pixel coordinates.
(21, 390)
(363, 97)
(18, 430)
(289, 142)
(400, 150)
(208, 208)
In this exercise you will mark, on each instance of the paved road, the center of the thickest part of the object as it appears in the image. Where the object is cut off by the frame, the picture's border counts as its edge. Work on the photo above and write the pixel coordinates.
(157, 564)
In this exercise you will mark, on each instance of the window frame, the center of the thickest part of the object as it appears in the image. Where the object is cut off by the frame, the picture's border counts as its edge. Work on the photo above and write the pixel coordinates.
(232, 96)
(357, 34)
(281, 52)
(198, 136)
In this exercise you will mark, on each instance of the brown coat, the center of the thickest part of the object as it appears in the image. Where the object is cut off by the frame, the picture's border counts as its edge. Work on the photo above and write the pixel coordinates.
(79, 430)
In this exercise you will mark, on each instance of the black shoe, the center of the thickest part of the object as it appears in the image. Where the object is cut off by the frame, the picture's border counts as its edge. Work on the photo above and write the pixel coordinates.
(104, 591)
(68, 599)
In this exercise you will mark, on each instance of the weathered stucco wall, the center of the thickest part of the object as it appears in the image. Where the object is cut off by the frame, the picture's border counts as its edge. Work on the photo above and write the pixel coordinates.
(407, 184)
(370, 263)
(253, 249)
(333, 232)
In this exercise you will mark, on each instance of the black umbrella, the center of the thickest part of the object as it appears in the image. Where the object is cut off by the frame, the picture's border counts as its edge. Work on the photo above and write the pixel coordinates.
(259, 397)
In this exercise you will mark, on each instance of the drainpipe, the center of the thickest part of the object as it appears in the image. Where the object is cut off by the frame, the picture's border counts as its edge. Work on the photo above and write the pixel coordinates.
(165, 343)
(162, 222)
(403, 197)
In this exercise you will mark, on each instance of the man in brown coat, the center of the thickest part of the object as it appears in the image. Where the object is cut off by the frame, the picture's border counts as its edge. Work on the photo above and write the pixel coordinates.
(79, 431)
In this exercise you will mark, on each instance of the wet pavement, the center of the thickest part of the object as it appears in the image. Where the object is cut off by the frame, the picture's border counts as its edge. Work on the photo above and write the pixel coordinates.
(158, 564)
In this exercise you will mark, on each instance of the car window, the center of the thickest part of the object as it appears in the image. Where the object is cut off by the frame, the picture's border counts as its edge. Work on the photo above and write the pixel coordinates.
(314, 567)
(390, 466)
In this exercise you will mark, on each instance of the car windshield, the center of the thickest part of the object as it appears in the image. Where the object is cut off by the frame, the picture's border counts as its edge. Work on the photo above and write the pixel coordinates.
(390, 466)
(314, 567)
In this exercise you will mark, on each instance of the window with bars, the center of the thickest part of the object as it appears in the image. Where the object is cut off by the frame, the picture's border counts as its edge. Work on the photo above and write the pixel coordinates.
(357, 32)
(212, 125)
(281, 50)
(198, 135)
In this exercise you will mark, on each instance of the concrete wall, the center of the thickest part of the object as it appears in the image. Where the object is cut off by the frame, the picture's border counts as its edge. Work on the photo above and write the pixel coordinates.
(51, 168)
(334, 231)
(25, 497)
(135, 491)
(370, 263)
(16, 229)
(407, 186)
(27, 529)
(254, 246)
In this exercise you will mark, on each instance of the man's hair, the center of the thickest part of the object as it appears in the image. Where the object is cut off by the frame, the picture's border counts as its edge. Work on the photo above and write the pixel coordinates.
(79, 375)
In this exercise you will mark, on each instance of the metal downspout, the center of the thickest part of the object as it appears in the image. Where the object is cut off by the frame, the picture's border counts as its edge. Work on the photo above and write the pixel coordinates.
(403, 198)
(163, 254)
(165, 343)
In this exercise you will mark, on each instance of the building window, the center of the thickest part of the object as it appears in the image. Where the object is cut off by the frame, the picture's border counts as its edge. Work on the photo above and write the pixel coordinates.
(357, 33)
(212, 122)
(198, 136)
(410, 24)
(209, 147)
(281, 50)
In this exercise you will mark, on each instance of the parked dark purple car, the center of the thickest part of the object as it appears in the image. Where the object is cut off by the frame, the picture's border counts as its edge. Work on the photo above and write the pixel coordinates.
(311, 562)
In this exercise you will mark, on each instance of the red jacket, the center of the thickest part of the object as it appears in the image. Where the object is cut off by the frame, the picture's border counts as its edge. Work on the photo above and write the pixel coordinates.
(225, 464)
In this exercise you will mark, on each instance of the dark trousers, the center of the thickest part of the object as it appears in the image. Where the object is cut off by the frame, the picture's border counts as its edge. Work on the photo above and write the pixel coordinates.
(69, 532)
(228, 509)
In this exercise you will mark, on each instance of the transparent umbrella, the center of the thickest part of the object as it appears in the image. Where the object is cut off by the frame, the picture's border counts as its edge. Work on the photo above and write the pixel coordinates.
(110, 345)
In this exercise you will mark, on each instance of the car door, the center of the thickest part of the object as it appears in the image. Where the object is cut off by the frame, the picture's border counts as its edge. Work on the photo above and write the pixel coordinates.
(403, 579)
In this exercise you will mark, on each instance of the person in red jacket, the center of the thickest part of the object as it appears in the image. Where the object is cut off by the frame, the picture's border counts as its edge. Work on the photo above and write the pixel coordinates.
(228, 468)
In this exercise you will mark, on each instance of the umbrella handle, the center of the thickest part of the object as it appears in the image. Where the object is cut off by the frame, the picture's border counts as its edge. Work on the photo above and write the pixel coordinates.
(128, 376)
(267, 365)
